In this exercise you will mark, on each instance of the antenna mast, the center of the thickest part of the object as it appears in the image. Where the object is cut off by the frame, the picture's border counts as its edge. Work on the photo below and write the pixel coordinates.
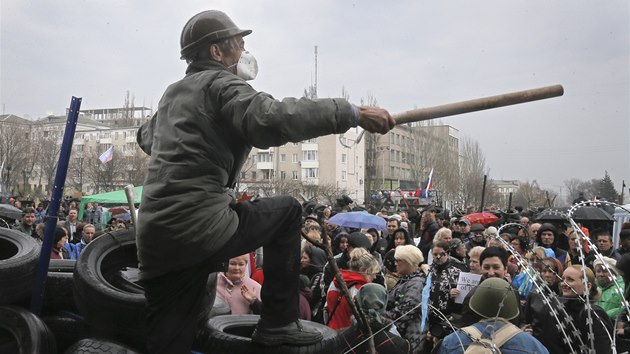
(315, 87)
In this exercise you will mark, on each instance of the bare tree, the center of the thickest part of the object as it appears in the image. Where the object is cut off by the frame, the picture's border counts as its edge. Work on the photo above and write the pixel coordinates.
(472, 169)
(575, 186)
(127, 115)
(372, 141)
(15, 148)
(76, 169)
(136, 166)
(48, 149)
(328, 193)
(105, 177)
(530, 195)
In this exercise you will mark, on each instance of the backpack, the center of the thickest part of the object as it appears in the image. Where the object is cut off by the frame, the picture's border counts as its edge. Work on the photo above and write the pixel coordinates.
(482, 345)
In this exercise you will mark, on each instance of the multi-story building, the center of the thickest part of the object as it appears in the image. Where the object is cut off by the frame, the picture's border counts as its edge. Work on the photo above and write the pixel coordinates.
(38, 143)
(121, 116)
(405, 156)
(332, 164)
(504, 188)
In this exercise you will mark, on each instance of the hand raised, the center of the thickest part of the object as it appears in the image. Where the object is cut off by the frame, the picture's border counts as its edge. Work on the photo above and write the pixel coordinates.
(375, 119)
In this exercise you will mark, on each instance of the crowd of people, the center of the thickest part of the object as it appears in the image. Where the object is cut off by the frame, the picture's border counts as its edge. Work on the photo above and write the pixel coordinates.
(71, 235)
(418, 265)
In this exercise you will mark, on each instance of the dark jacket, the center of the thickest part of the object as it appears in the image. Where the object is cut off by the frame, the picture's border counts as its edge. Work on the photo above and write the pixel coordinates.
(544, 325)
(426, 238)
(403, 299)
(205, 126)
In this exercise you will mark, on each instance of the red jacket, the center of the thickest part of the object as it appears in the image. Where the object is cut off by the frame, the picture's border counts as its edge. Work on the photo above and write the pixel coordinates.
(339, 312)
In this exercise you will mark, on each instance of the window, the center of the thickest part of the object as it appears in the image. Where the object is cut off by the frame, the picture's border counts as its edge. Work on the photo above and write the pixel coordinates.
(310, 173)
(267, 174)
(343, 158)
(309, 155)
(295, 158)
(283, 157)
(265, 157)
(283, 175)
(314, 140)
(242, 175)
(295, 175)
(254, 175)
(343, 175)
(295, 144)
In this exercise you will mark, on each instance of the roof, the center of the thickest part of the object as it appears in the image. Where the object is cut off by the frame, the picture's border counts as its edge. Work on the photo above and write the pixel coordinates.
(11, 118)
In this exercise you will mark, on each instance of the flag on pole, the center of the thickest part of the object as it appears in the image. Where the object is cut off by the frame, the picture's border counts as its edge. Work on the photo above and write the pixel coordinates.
(425, 191)
(107, 156)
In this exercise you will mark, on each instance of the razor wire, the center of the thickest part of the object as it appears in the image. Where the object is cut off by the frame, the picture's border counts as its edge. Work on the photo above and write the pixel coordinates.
(543, 291)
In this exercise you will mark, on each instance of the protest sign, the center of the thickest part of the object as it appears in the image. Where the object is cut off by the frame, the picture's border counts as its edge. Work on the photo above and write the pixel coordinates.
(465, 283)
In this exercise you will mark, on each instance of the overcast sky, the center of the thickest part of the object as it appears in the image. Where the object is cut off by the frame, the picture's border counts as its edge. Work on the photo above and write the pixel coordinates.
(407, 54)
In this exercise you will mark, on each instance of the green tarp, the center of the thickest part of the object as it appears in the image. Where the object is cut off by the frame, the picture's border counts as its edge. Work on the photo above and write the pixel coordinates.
(116, 197)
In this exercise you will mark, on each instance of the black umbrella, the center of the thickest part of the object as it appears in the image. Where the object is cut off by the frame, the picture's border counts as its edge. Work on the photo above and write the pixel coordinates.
(9, 211)
(585, 213)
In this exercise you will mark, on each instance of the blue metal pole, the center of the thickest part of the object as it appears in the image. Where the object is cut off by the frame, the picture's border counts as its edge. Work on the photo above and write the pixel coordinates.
(37, 297)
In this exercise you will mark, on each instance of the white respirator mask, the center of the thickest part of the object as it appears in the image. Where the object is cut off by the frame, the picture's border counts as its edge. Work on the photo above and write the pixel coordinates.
(247, 66)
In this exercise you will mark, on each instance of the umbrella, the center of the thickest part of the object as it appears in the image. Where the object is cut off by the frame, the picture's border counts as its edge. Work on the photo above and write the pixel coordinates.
(484, 218)
(9, 211)
(123, 216)
(359, 220)
(585, 213)
(117, 210)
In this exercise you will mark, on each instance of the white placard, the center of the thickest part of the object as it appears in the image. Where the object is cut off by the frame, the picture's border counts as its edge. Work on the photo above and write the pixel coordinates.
(465, 283)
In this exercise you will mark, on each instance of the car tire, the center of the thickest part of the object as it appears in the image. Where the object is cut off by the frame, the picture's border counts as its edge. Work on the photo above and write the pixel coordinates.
(232, 333)
(98, 346)
(19, 255)
(68, 328)
(113, 311)
(22, 330)
(59, 292)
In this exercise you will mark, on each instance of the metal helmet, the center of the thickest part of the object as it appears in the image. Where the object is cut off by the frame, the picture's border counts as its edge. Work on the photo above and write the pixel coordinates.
(494, 297)
(207, 27)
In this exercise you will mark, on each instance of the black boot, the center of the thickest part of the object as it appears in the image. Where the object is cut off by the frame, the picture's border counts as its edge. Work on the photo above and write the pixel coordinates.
(292, 334)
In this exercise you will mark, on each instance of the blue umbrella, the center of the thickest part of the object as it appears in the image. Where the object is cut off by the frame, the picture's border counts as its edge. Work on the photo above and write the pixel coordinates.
(123, 216)
(359, 220)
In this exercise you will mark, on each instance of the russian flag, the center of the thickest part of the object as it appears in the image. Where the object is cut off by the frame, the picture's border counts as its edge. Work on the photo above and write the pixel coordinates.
(107, 156)
(425, 191)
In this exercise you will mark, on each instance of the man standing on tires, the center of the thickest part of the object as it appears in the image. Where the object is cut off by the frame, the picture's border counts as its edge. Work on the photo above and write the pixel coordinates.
(202, 133)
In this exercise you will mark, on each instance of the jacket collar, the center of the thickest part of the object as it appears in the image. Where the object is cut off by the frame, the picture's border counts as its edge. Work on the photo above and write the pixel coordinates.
(202, 65)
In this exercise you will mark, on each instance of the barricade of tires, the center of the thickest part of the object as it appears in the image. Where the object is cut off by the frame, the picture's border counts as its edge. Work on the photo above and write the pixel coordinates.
(95, 305)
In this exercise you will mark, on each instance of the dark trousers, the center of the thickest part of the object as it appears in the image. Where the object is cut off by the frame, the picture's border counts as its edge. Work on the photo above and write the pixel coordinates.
(176, 301)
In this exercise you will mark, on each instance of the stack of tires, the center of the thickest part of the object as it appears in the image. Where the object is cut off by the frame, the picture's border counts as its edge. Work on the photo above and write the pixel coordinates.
(95, 305)
(62, 327)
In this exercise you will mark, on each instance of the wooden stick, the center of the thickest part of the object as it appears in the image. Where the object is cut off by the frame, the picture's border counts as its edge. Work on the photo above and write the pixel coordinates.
(333, 264)
(479, 104)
